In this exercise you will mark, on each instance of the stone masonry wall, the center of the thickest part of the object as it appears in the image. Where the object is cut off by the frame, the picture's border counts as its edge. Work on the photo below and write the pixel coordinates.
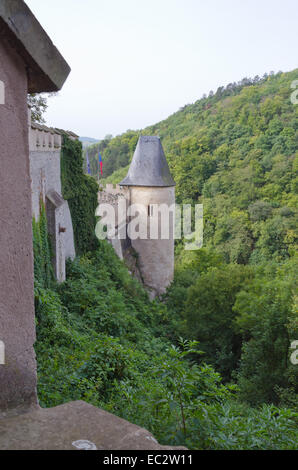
(45, 153)
(155, 258)
(111, 195)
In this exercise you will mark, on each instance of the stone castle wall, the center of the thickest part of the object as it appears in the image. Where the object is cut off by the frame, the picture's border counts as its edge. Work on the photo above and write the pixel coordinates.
(156, 257)
(111, 195)
(45, 153)
(155, 265)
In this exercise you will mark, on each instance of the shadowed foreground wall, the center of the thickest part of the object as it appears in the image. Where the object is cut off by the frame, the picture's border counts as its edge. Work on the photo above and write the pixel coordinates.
(17, 328)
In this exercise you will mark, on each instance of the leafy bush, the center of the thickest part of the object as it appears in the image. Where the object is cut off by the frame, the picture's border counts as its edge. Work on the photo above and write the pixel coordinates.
(99, 339)
(210, 317)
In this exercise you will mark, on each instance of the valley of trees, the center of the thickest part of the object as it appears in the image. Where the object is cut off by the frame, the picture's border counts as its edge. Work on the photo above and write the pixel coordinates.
(229, 383)
(235, 152)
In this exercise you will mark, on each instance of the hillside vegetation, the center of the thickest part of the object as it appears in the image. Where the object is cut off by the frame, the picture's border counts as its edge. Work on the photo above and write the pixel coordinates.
(235, 152)
(229, 384)
(240, 142)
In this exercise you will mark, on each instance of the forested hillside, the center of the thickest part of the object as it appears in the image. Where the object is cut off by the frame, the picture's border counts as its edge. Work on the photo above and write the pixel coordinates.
(236, 152)
(230, 383)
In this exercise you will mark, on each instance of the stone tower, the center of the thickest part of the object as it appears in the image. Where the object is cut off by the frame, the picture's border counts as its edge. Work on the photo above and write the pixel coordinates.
(151, 186)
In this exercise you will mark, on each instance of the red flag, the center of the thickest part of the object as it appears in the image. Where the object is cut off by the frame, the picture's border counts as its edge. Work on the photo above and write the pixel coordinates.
(100, 162)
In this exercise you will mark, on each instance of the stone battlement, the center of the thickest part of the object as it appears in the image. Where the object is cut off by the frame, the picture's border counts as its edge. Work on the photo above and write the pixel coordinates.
(42, 138)
(113, 189)
(46, 139)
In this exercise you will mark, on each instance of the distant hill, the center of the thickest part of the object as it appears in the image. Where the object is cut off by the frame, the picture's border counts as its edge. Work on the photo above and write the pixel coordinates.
(87, 141)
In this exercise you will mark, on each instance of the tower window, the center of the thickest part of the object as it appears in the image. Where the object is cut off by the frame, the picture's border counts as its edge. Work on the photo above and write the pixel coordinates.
(150, 210)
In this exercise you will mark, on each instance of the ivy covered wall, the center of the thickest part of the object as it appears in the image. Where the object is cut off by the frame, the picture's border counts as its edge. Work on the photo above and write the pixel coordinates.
(43, 268)
(80, 191)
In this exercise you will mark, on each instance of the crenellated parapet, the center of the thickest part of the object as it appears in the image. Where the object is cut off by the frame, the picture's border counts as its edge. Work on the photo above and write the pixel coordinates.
(44, 139)
(113, 189)
(47, 139)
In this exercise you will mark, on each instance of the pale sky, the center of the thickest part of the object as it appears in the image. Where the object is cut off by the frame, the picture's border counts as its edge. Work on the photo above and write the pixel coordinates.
(135, 62)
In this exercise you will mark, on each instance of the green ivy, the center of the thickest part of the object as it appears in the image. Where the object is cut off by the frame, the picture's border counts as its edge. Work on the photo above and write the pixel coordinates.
(81, 193)
(43, 269)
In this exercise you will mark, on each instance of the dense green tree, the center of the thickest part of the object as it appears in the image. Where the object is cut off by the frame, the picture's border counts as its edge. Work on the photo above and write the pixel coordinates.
(38, 104)
(264, 310)
(210, 318)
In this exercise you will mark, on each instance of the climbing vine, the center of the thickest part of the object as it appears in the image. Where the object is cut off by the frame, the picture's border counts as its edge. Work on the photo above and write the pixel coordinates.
(81, 193)
(43, 269)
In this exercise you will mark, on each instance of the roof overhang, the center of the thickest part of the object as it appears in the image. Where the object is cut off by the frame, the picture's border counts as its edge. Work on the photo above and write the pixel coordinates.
(47, 69)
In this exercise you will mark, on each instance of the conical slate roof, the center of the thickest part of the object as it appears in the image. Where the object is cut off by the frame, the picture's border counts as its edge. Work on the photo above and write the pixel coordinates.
(149, 166)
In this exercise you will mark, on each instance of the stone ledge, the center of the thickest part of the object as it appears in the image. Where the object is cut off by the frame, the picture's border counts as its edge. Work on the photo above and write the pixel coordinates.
(47, 69)
(76, 422)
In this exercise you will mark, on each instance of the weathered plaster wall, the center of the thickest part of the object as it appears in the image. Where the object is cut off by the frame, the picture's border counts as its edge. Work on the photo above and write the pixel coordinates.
(17, 327)
(55, 221)
(155, 257)
(155, 263)
(112, 195)
(45, 158)
(68, 243)
(45, 176)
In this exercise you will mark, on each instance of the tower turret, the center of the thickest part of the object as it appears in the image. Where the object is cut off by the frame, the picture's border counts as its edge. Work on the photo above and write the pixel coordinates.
(152, 188)
(149, 166)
